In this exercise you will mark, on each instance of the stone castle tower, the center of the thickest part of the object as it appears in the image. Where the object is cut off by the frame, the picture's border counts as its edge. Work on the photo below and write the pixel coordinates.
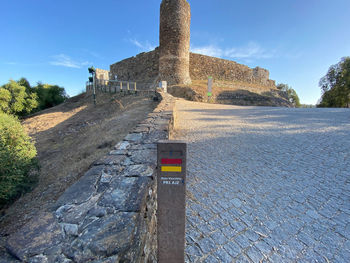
(174, 42)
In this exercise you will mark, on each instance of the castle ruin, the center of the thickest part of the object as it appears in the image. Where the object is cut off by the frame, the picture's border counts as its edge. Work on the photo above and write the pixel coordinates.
(173, 62)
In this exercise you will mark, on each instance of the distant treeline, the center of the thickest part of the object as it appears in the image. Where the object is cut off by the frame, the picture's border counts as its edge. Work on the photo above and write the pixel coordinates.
(19, 98)
(335, 85)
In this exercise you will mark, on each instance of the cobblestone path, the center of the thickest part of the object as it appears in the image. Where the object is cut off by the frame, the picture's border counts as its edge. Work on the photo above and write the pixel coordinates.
(266, 184)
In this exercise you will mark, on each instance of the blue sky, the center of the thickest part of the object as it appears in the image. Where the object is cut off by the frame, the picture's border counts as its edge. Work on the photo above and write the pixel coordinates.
(56, 41)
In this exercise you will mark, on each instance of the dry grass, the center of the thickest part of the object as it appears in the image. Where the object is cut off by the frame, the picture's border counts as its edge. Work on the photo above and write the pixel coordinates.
(69, 138)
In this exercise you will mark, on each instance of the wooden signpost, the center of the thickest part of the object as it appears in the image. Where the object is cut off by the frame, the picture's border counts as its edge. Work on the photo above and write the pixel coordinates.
(171, 200)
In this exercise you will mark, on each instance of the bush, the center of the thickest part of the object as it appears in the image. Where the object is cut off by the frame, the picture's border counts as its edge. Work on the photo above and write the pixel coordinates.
(17, 160)
(15, 99)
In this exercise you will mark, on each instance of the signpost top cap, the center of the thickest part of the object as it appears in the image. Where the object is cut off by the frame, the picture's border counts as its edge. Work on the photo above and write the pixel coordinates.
(210, 77)
(172, 141)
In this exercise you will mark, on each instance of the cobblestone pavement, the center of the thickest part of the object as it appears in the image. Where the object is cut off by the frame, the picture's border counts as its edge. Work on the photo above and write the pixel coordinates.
(266, 184)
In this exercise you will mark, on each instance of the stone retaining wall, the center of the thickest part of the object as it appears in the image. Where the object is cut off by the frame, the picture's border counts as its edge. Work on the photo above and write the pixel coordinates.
(109, 215)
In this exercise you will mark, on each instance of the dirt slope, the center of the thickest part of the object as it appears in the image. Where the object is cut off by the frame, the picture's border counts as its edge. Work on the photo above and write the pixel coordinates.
(69, 137)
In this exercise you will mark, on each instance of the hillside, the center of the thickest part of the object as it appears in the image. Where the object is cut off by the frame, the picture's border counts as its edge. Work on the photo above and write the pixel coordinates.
(68, 138)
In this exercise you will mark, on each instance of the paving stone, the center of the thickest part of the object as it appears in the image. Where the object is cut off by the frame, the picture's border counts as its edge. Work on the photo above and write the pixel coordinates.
(263, 247)
(219, 237)
(254, 254)
(207, 245)
(222, 255)
(242, 241)
(193, 251)
(210, 259)
(232, 248)
(277, 177)
(251, 235)
(243, 259)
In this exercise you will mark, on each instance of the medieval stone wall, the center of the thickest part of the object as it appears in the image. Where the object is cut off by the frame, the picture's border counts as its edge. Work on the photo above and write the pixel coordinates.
(201, 67)
(142, 68)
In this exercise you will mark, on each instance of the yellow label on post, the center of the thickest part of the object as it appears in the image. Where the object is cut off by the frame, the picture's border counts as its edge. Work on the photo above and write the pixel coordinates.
(176, 169)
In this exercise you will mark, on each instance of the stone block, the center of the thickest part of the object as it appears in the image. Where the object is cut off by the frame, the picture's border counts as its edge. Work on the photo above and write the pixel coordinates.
(109, 236)
(126, 194)
(82, 190)
(138, 170)
(35, 237)
(144, 156)
(134, 137)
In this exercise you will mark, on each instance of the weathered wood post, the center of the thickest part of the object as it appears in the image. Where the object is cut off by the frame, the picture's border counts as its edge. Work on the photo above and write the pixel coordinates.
(171, 201)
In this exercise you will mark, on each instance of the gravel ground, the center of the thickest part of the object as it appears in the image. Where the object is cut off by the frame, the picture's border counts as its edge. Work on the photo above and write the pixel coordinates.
(266, 184)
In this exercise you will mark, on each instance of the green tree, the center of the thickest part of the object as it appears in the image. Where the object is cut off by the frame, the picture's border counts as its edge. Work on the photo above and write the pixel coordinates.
(15, 99)
(50, 95)
(291, 94)
(25, 83)
(20, 98)
(335, 85)
(17, 159)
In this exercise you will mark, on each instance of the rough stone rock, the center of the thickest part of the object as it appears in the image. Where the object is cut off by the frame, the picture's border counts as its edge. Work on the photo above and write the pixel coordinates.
(112, 259)
(123, 145)
(143, 146)
(155, 136)
(144, 156)
(39, 259)
(134, 137)
(139, 170)
(82, 190)
(126, 194)
(105, 237)
(139, 129)
(43, 232)
(97, 211)
(128, 162)
(118, 152)
(105, 177)
(5, 257)
(74, 214)
(70, 229)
